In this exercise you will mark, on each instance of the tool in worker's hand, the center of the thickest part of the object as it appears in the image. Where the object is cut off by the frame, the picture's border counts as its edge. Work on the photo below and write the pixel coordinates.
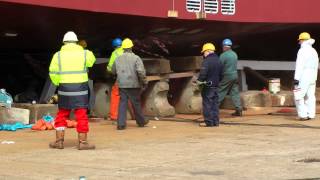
(206, 83)
(202, 84)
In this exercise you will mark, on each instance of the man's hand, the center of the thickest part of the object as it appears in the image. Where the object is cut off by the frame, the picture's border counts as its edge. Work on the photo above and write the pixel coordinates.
(296, 82)
(194, 79)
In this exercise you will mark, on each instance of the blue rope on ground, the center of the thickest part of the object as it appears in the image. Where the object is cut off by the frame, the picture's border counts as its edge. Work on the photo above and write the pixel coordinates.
(14, 127)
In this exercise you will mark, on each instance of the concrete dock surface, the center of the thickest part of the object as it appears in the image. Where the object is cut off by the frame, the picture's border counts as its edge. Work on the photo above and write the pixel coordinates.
(255, 146)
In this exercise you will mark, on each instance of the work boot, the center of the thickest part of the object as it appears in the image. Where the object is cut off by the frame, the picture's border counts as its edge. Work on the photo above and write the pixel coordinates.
(58, 144)
(121, 127)
(146, 121)
(83, 143)
(305, 119)
(238, 112)
(206, 124)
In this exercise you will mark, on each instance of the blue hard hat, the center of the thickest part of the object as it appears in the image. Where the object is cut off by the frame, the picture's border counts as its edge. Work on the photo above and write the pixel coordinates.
(227, 42)
(116, 42)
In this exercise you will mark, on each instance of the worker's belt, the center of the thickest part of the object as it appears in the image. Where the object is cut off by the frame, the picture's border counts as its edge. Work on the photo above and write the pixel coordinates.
(85, 70)
(78, 93)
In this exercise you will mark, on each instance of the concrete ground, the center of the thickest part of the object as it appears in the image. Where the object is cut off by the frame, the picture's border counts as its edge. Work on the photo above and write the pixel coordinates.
(250, 147)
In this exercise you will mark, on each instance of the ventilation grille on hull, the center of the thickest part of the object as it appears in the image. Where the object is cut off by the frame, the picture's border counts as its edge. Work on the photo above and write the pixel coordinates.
(228, 7)
(211, 6)
(193, 5)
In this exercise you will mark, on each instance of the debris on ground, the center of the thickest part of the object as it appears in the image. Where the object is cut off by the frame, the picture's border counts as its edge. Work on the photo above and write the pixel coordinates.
(42, 125)
(284, 111)
(7, 142)
(47, 123)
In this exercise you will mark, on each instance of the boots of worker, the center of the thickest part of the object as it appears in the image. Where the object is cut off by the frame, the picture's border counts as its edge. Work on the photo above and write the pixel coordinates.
(238, 112)
(146, 121)
(58, 144)
(83, 143)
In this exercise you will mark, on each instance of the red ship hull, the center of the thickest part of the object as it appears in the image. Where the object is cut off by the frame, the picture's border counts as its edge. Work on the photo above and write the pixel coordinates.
(274, 25)
(272, 11)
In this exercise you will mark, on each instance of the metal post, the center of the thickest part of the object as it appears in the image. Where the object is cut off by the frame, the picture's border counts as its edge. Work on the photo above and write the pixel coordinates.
(244, 86)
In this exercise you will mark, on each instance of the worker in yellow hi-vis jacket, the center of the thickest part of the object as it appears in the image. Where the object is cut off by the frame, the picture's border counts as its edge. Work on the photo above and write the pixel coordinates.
(68, 71)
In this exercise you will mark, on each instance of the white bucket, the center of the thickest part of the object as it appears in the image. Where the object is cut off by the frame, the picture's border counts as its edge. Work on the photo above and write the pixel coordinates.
(274, 85)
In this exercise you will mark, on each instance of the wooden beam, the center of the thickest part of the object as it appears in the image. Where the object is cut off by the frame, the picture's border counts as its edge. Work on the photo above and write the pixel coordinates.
(171, 76)
(181, 75)
(154, 78)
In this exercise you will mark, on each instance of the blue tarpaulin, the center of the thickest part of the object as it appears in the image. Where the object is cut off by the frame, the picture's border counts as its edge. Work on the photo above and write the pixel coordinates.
(14, 127)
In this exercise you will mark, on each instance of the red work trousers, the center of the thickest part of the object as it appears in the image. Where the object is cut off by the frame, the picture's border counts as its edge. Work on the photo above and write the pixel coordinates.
(81, 117)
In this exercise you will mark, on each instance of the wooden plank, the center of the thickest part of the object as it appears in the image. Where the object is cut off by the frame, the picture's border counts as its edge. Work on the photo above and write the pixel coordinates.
(181, 75)
(171, 76)
(156, 66)
(153, 78)
(254, 64)
(189, 63)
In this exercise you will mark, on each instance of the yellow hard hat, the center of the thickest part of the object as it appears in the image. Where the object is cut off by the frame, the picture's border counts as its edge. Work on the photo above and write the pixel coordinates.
(208, 46)
(304, 36)
(127, 43)
(83, 43)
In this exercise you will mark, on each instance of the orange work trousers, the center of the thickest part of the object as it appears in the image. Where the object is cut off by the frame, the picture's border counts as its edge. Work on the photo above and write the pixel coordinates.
(114, 103)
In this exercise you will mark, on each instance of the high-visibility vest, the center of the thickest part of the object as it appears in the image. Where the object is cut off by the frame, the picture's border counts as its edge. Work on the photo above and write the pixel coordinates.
(70, 64)
(115, 54)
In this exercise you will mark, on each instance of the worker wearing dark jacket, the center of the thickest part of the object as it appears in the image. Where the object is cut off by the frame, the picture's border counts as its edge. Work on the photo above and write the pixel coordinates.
(131, 77)
(230, 83)
(209, 77)
(68, 71)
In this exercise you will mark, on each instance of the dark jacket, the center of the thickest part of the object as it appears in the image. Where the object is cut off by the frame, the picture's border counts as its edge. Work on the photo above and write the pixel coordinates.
(211, 70)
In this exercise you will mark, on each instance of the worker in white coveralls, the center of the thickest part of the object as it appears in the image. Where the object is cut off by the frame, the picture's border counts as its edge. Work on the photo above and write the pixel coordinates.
(305, 77)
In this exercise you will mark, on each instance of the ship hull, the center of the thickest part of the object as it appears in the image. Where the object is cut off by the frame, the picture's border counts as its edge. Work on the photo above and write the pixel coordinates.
(39, 27)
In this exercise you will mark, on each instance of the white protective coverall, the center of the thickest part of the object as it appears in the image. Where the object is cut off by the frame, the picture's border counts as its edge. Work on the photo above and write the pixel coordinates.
(306, 73)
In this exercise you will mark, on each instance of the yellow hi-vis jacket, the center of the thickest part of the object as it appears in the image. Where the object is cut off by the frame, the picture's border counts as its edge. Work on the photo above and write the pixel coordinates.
(69, 65)
(115, 54)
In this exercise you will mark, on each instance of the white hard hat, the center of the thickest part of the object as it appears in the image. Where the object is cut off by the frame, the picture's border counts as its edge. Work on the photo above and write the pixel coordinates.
(70, 36)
